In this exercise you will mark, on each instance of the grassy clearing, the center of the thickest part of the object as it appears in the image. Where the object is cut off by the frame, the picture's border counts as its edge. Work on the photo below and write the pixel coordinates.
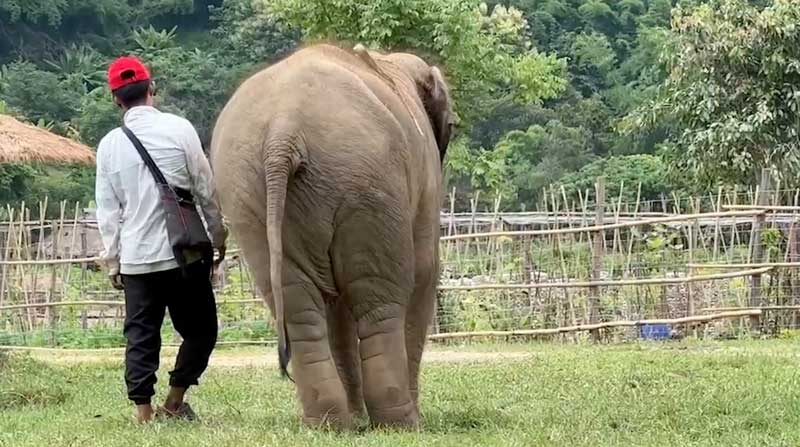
(705, 394)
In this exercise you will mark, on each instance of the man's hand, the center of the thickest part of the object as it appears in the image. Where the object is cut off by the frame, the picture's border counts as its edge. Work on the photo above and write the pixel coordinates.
(222, 250)
(216, 266)
(116, 281)
(113, 273)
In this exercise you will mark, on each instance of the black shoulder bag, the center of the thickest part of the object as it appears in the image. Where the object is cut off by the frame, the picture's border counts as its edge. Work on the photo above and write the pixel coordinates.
(185, 229)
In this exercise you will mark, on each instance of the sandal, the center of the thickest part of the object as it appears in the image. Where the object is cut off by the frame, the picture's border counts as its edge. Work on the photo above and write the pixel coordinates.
(184, 412)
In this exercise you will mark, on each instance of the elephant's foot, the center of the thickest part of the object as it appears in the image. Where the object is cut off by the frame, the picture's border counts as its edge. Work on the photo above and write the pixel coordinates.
(403, 416)
(325, 405)
(359, 413)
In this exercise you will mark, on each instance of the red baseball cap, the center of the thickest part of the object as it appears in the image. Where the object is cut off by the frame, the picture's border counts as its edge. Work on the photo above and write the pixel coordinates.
(125, 71)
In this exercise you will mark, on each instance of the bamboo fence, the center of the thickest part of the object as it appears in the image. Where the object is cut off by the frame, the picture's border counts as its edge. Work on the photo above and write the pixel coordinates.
(719, 264)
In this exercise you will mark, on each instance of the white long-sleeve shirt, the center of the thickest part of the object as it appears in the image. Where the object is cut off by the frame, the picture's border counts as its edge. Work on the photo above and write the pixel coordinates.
(129, 212)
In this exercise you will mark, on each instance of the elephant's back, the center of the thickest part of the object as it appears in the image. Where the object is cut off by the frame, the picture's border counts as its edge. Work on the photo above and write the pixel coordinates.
(344, 113)
(356, 151)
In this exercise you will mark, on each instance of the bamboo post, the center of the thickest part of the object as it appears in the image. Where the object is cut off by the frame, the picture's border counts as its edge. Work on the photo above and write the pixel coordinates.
(473, 229)
(597, 256)
(565, 271)
(39, 251)
(757, 250)
(689, 297)
(567, 315)
(71, 251)
(616, 245)
(84, 248)
(25, 247)
(493, 251)
(717, 207)
(794, 245)
(548, 305)
(56, 240)
(7, 254)
(584, 223)
(627, 268)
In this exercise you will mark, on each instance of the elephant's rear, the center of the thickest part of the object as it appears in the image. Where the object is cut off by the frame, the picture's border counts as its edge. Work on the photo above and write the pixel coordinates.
(330, 181)
(347, 155)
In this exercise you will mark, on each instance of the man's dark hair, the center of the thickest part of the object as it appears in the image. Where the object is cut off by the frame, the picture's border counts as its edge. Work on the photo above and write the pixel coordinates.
(133, 94)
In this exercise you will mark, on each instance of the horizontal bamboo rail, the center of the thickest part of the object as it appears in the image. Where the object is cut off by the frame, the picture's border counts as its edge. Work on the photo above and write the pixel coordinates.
(52, 261)
(761, 207)
(577, 284)
(10, 348)
(622, 282)
(103, 303)
(592, 327)
(594, 228)
(74, 260)
(745, 265)
(761, 308)
(461, 335)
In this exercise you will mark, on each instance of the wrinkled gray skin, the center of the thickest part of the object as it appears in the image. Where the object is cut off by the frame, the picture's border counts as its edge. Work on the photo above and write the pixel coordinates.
(328, 166)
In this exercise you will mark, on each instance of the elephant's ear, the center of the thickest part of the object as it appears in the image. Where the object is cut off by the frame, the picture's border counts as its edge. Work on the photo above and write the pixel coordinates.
(439, 109)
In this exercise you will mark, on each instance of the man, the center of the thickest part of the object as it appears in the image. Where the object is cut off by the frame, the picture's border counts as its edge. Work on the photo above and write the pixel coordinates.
(137, 248)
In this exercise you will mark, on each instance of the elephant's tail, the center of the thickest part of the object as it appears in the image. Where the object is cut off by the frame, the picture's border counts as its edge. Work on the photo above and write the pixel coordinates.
(278, 169)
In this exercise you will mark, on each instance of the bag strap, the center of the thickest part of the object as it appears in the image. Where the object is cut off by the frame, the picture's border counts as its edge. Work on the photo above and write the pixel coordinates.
(148, 160)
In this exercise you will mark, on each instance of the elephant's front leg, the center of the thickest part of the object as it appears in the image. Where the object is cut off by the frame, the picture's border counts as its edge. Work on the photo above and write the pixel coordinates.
(344, 345)
(320, 390)
(384, 366)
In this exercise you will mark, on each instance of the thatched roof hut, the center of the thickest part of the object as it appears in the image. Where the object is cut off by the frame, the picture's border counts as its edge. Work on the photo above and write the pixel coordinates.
(24, 143)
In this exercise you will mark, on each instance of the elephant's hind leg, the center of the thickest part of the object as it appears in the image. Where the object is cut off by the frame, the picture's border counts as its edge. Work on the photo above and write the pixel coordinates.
(320, 390)
(344, 345)
(420, 311)
(384, 365)
(372, 256)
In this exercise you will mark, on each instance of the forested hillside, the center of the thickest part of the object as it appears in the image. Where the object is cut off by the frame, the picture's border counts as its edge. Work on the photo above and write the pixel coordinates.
(549, 91)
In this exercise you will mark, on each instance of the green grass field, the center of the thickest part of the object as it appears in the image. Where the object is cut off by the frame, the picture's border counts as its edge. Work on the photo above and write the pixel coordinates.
(676, 394)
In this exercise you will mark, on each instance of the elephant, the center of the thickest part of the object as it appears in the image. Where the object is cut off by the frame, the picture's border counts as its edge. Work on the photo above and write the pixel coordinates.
(328, 166)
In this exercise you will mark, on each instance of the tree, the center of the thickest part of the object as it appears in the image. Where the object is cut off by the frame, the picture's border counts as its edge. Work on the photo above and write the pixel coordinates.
(40, 95)
(598, 16)
(627, 171)
(593, 61)
(525, 162)
(731, 92)
(98, 116)
(484, 54)
(248, 36)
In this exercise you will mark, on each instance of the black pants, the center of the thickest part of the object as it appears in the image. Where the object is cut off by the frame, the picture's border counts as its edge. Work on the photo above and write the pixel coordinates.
(193, 312)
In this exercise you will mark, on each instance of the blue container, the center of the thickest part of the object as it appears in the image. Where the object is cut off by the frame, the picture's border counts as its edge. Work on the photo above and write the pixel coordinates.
(655, 331)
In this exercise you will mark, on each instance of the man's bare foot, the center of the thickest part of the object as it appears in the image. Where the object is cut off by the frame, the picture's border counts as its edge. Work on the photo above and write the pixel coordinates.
(174, 400)
(144, 413)
(183, 412)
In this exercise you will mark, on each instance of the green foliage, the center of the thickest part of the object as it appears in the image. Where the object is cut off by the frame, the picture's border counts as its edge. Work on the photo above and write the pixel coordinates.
(98, 115)
(731, 92)
(197, 94)
(626, 172)
(40, 95)
(81, 62)
(542, 87)
(34, 10)
(15, 182)
(484, 54)
(594, 60)
(772, 239)
(524, 162)
(247, 35)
